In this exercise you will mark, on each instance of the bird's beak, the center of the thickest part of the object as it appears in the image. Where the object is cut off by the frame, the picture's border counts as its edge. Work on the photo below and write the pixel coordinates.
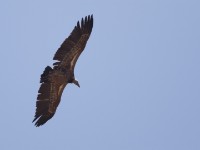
(76, 83)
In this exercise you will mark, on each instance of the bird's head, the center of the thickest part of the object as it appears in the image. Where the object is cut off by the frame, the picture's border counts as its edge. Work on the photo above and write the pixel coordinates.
(76, 82)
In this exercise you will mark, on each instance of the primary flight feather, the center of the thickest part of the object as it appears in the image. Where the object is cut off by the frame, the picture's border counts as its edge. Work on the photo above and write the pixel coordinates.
(53, 80)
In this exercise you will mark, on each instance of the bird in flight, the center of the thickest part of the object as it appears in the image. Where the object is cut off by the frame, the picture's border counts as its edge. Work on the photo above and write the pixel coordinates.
(54, 79)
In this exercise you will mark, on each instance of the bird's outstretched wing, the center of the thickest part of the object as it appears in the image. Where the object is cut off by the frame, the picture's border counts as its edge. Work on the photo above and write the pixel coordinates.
(53, 83)
(73, 46)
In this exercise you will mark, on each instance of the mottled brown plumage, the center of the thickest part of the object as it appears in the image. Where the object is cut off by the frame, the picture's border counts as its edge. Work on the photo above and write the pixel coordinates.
(53, 80)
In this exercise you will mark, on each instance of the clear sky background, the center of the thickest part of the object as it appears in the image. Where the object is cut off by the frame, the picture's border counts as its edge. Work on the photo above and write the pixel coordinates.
(139, 75)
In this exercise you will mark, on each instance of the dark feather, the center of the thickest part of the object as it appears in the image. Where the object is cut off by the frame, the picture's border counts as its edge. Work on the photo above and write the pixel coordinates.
(43, 119)
(53, 81)
(45, 74)
(75, 42)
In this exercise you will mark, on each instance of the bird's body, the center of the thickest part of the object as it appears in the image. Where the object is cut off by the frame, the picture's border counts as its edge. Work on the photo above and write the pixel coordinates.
(54, 80)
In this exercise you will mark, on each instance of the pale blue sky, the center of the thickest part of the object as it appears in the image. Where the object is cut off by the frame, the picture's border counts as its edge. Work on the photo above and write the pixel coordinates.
(139, 75)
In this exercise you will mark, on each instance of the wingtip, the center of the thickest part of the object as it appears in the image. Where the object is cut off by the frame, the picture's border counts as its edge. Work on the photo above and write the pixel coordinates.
(90, 17)
(42, 119)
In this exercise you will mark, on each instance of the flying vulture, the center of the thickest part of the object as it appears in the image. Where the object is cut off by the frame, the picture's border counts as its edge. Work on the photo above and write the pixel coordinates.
(53, 80)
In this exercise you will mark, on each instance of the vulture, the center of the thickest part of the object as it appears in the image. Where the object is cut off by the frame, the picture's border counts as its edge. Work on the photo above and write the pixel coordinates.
(54, 79)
